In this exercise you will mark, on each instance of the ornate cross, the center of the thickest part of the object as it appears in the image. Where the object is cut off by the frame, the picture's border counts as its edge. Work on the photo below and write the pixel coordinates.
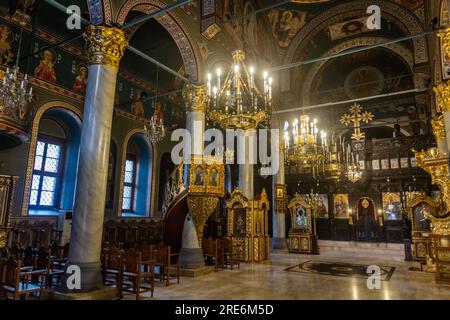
(357, 116)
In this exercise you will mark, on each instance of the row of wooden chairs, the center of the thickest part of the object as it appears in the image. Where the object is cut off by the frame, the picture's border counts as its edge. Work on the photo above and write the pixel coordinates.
(38, 234)
(127, 233)
(133, 270)
(221, 253)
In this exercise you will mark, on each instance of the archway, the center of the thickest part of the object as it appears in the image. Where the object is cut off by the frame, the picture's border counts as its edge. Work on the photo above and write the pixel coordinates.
(136, 178)
(59, 166)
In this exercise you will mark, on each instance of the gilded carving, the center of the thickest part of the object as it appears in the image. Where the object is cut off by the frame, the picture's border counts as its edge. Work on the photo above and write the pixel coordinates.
(201, 208)
(3, 237)
(439, 127)
(435, 163)
(105, 45)
(444, 35)
(442, 92)
(195, 98)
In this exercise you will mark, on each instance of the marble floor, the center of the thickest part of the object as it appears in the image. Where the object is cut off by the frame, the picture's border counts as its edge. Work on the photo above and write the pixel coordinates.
(270, 281)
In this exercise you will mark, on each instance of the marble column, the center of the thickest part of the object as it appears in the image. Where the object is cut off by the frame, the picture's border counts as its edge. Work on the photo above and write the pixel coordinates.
(279, 214)
(191, 254)
(105, 47)
(246, 170)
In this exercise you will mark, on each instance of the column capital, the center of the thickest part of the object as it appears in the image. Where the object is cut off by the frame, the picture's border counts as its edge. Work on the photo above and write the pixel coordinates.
(442, 92)
(195, 98)
(105, 45)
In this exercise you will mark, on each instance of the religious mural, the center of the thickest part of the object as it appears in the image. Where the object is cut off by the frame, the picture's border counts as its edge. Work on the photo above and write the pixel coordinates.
(341, 206)
(67, 69)
(321, 209)
(285, 25)
(348, 28)
(80, 82)
(392, 205)
(6, 51)
(46, 69)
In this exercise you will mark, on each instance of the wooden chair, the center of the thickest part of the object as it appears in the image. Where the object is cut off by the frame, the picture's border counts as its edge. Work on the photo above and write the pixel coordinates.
(17, 280)
(230, 253)
(29, 257)
(213, 253)
(134, 276)
(166, 261)
(112, 265)
(55, 269)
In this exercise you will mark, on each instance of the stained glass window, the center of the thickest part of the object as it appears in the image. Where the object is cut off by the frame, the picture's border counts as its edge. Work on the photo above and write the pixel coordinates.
(129, 185)
(47, 163)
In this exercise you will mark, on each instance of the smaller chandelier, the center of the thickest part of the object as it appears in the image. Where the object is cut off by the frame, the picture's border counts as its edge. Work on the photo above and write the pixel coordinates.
(15, 95)
(303, 145)
(235, 102)
(155, 130)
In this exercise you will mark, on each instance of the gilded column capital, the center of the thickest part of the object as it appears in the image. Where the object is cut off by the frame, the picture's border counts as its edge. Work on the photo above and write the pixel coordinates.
(442, 92)
(105, 45)
(438, 125)
(195, 98)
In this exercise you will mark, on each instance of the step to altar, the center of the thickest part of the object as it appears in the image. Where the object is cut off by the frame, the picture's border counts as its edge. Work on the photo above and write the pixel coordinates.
(369, 248)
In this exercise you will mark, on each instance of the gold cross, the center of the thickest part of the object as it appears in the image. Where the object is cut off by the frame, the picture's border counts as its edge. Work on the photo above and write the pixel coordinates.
(357, 116)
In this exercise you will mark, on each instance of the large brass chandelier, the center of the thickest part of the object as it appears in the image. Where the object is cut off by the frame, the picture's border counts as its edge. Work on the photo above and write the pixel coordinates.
(236, 102)
(303, 145)
(312, 149)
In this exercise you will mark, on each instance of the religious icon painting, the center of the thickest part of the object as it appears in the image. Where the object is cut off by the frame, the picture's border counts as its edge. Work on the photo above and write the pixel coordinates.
(301, 218)
(321, 208)
(341, 206)
(404, 163)
(392, 205)
(384, 164)
(362, 164)
(199, 176)
(240, 221)
(394, 163)
(413, 162)
(213, 174)
(375, 164)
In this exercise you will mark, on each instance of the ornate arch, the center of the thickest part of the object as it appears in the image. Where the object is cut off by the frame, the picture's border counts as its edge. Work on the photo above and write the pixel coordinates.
(403, 52)
(151, 146)
(40, 111)
(401, 15)
(173, 24)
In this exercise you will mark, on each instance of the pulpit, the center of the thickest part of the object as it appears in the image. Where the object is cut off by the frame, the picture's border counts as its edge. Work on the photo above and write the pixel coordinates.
(301, 234)
(419, 208)
(248, 226)
(7, 185)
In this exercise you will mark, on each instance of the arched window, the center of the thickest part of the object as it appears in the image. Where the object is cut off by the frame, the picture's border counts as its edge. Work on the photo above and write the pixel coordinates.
(137, 177)
(55, 161)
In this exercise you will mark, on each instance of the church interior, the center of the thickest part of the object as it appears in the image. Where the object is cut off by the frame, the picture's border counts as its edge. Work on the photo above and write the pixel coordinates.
(239, 150)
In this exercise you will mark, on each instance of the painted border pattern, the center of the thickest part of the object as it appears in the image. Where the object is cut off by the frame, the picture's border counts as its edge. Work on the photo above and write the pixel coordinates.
(172, 24)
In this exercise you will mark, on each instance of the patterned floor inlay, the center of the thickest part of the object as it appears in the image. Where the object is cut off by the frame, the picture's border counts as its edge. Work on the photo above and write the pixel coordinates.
(341, 269)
